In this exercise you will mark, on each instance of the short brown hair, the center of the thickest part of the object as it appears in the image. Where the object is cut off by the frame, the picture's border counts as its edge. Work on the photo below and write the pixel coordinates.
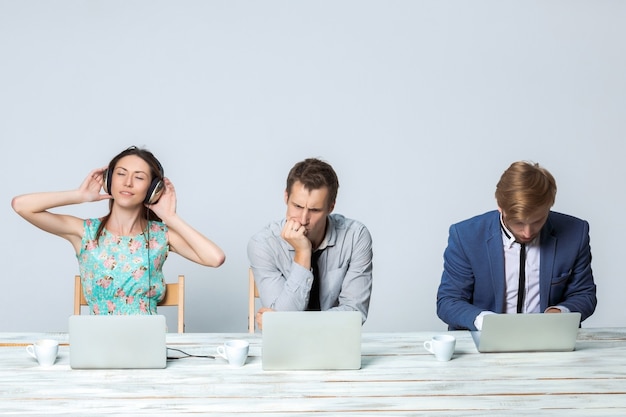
(314, 174)
(525, 187)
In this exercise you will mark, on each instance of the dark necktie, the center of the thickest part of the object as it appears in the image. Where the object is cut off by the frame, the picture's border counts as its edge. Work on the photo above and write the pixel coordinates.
(522, 277)
(314, 295)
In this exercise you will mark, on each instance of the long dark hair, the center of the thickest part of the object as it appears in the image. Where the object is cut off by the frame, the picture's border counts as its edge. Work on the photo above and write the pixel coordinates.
(156, 171)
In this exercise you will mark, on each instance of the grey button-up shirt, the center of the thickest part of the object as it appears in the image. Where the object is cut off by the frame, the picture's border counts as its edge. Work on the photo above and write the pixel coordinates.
(345, 268)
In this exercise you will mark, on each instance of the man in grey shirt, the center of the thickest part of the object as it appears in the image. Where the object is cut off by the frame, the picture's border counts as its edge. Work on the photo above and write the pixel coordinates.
(312, 259)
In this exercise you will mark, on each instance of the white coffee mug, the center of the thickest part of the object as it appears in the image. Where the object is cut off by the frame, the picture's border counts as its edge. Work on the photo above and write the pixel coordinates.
(44, 350)
(442, 346)
(234, 351)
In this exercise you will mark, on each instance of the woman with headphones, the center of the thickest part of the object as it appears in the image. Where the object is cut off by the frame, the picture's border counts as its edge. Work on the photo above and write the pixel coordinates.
(121, 255)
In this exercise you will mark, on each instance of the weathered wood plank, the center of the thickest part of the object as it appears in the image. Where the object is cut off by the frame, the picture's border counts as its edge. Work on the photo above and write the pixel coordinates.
(398, 377)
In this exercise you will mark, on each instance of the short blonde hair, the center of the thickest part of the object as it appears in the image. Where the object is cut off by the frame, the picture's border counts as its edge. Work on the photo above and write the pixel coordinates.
(524, 188)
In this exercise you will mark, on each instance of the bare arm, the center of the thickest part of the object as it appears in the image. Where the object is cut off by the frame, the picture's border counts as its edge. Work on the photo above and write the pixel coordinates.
(184, 239)
(34, 208)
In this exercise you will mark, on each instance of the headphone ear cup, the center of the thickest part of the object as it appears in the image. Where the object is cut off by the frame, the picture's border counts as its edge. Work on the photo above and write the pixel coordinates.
(154, 191)
(107, 180)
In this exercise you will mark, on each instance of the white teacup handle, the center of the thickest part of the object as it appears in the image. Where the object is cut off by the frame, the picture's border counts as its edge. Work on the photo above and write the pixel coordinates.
(428, 346)
(31, 351)
(221, 351)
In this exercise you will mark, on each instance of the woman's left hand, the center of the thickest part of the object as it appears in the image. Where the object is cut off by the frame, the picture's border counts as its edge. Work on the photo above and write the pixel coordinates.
(166, 206)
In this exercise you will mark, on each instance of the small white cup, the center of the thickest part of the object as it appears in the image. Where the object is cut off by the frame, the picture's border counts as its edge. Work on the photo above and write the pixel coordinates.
(45, 351)
(442, 346)
(234, 351)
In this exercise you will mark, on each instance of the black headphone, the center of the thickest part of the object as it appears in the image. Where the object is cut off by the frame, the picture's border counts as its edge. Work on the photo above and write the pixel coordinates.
(154, 190)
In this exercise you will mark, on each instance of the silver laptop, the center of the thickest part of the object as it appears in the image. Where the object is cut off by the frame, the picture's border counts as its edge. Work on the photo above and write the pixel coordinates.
(528, 332)
(310, 340)
(117, 342)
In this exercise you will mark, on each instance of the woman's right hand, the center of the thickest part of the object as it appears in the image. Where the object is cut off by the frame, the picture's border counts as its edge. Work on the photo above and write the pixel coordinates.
(92, 186)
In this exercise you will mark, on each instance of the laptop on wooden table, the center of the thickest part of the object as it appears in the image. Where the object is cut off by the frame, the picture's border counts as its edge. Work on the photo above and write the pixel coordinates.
(544, 332)
(311, 340)
(117, 342)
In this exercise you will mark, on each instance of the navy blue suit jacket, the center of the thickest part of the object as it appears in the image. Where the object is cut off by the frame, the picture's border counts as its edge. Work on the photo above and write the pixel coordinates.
(473, 278)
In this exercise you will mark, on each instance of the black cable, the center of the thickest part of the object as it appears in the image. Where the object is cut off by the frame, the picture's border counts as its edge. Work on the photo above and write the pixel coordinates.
(187, 355)
(147, 240)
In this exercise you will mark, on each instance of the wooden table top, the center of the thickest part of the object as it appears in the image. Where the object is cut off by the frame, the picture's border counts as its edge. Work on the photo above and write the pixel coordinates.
(398, 377)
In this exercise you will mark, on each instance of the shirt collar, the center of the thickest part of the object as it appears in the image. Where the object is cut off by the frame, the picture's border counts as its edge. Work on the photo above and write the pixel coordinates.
(509, 239)
(330, 235)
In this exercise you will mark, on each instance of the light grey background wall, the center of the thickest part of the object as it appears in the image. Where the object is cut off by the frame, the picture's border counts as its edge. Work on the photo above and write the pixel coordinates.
(419, 106)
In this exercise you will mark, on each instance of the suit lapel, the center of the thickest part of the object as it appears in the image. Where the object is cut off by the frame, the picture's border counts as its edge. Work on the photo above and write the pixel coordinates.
(495, 252)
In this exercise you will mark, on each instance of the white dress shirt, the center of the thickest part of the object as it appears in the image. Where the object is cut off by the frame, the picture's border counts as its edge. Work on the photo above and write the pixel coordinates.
(511, 272)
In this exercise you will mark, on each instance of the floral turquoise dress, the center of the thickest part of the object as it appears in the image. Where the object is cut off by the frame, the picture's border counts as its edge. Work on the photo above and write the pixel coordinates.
(123, 274)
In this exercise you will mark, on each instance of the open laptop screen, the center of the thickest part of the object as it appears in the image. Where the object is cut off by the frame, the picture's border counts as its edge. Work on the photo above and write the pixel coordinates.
(117, 342)
(307, 340)
(546, 332)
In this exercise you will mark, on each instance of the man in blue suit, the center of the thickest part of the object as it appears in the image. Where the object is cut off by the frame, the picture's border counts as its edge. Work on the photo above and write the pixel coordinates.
(521, 258)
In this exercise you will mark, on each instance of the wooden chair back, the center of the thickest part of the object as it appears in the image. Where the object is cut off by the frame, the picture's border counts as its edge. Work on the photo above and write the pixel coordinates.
(253, 294)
